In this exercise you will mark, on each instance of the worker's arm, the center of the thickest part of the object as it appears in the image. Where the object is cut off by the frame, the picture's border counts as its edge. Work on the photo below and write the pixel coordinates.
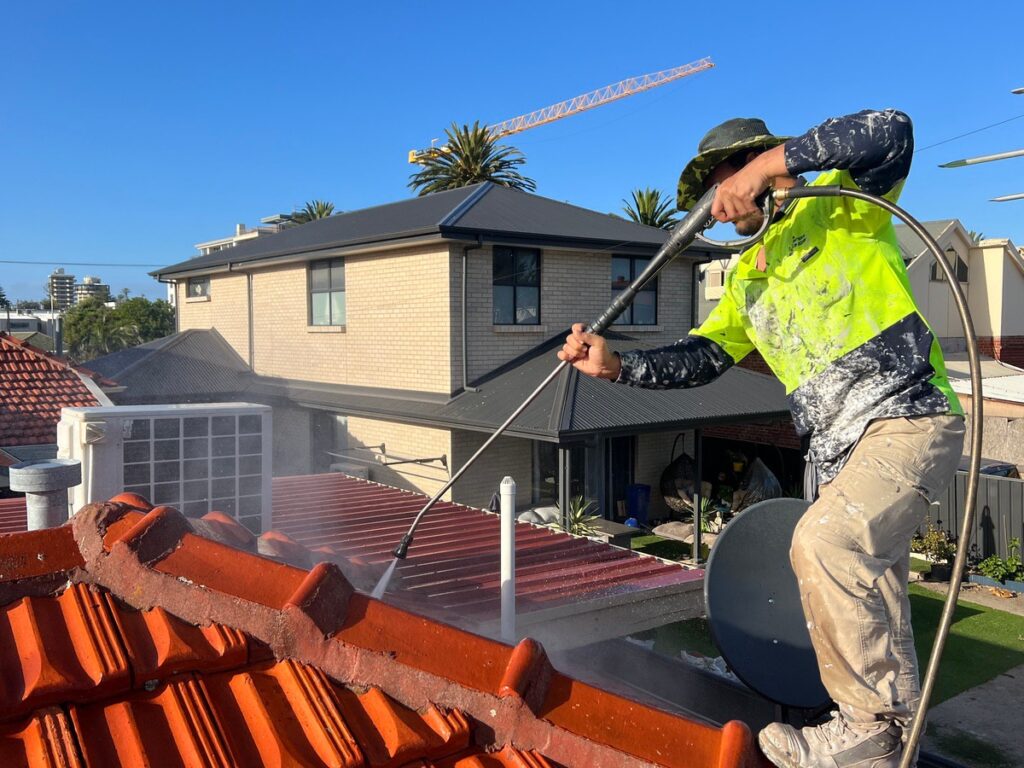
(876, 147)
(697, 359)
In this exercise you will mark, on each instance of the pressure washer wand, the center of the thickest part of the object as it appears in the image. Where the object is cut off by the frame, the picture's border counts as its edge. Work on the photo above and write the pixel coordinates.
(685, 232)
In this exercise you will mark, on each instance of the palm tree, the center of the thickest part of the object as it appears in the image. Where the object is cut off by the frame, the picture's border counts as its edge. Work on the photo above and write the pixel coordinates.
(93, 329)
(314, 209)
(471, 155)
(650, 207)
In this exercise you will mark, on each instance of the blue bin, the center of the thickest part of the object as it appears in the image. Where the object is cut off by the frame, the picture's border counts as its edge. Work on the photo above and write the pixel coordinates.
(638, 499)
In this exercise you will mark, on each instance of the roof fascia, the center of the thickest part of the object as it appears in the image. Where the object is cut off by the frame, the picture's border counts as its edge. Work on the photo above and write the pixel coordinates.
(378, 246)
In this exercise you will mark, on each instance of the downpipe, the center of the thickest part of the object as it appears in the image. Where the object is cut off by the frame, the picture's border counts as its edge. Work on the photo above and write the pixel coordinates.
(960, 560)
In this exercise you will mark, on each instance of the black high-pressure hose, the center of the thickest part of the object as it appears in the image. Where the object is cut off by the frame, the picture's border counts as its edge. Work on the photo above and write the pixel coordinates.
(928, 684)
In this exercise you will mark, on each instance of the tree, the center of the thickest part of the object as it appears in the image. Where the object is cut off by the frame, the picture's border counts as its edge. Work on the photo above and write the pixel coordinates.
(314, 209)
(649, 206)
(471, 155)
(151, 319)
(5, 305)
(92, 329)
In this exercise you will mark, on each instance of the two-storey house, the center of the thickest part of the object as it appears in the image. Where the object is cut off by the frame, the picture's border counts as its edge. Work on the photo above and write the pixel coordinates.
(397, 337)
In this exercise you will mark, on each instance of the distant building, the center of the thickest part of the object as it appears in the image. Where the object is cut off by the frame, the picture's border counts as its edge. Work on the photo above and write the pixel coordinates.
(271, 225)
(61, 287)
(91, 287)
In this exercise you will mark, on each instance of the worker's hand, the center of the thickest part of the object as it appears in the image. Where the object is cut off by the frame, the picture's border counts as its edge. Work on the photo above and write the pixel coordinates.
(589, 354)
(736, 197)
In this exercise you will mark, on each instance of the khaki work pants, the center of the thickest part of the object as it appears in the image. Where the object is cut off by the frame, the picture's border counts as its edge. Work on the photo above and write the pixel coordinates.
(851, 555)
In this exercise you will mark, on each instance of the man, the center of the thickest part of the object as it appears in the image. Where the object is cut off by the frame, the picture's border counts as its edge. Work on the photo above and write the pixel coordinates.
(825, 299)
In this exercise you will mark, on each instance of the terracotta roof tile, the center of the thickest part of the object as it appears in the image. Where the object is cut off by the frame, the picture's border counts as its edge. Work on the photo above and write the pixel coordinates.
(36, 385)
(161, 645)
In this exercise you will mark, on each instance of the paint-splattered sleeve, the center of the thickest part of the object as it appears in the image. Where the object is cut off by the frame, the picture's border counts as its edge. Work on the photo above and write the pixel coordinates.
(876, 147)
(700, 358)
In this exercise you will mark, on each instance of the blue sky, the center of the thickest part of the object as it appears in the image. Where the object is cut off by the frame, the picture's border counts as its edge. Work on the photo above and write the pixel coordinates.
(130, 131)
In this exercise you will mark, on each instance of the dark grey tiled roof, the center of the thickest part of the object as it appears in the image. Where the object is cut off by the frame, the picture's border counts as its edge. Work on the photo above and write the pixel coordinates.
(497, 213)
(193, 365)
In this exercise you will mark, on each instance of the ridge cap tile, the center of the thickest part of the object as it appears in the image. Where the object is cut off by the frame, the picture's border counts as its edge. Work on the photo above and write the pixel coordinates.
(318, 626)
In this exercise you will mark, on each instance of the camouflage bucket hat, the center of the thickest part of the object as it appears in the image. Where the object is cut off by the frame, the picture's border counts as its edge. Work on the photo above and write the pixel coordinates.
(718, 144)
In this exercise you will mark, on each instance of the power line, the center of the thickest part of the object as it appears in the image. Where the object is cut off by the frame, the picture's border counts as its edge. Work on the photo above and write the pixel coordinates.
(969, 133)
(77, 263)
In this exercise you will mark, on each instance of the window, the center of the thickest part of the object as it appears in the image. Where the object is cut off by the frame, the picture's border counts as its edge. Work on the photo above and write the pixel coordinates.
(198, 287)
(715, 278)
(327, 292)
(959, 266)
(644, 309)
(516, 286)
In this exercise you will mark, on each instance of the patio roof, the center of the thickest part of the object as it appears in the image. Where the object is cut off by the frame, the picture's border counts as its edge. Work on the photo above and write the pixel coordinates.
(572, 407)
(569, 590)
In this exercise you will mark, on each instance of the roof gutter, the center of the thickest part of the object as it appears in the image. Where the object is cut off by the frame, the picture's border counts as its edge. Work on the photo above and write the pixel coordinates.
(308, 255)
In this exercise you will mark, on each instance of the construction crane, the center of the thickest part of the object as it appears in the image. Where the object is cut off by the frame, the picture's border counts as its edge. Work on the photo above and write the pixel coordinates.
(582, 103)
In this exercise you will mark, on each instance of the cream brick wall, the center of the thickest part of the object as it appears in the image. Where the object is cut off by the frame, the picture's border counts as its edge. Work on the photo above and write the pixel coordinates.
(506, 456)
(575, 287)
(403, 441)
(396, 333)
(227, 310)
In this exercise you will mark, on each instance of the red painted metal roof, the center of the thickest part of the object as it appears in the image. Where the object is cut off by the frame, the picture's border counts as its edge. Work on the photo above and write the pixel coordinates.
(35, 386)
(128, 639)
(12, 515)
(453, 564)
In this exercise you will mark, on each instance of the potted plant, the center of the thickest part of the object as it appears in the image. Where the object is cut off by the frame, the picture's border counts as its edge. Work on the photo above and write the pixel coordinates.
(578, 521)
(1006, 572)
(938, 548)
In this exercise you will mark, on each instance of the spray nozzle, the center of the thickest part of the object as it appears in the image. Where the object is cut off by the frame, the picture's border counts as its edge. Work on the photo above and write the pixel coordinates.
(403, 547)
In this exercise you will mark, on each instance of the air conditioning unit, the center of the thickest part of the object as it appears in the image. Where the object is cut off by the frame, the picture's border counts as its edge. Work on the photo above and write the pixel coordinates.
(196, 458)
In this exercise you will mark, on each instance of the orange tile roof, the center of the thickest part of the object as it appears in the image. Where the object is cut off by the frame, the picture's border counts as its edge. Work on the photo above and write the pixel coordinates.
(126, 637)
(35, 386)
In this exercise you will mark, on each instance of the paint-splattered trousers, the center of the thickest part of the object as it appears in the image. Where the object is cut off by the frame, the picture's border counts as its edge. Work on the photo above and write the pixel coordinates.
(851, 555)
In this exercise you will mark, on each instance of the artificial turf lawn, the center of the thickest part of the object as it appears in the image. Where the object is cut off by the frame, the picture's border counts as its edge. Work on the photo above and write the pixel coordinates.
(982, 643)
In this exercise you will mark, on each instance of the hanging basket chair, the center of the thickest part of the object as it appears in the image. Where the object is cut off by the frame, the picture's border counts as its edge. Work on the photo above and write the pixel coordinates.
(678, 481)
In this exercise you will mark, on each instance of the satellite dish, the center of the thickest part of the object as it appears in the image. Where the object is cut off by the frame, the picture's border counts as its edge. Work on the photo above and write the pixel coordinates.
(753, 605)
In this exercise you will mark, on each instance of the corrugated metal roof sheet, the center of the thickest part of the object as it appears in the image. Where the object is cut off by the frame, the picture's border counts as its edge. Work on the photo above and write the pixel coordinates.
(514, 212)
(418, 215)
(570, 406)
(190, 364)
(479, 209)
(453, 566)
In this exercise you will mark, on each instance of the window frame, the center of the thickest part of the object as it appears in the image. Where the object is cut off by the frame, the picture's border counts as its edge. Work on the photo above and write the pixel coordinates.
(514, 253)
(651, 287)
(201, 280)
(329, 291)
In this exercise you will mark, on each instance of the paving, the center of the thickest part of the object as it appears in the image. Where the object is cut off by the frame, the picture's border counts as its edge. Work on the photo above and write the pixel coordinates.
(977, 727)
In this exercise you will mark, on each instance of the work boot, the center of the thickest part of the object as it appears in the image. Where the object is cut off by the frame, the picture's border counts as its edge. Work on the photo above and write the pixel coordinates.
(835, 744)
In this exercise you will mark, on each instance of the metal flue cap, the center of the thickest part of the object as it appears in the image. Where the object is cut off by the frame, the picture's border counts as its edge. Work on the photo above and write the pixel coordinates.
(45, 475)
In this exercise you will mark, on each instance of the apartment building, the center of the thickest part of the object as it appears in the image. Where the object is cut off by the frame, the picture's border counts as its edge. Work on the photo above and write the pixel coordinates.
(396, 338)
